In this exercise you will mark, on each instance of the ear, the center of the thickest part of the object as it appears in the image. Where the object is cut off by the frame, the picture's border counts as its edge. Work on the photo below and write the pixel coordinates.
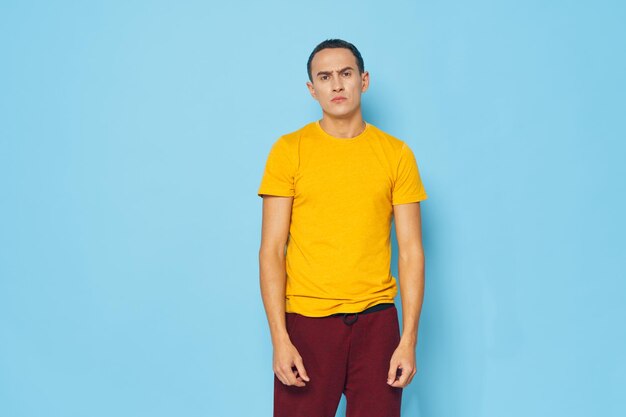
(365, 81)
(311, 89)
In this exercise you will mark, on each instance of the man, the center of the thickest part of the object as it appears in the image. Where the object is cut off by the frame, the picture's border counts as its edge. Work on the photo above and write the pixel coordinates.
(330, 190)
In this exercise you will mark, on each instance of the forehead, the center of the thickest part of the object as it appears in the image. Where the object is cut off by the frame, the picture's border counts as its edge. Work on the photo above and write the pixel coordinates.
(333, 59)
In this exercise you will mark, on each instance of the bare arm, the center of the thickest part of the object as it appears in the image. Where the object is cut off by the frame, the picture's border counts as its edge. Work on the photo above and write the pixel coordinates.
(274, 234)
(411, 270)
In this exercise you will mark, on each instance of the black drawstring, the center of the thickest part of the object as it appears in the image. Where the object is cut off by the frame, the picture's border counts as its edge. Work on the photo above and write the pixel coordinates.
(350, 322)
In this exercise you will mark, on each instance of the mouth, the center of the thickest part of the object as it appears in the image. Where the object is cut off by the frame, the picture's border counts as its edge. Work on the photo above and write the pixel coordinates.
(338, 99)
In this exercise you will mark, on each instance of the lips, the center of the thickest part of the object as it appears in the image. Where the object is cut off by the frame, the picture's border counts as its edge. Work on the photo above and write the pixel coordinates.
(338, 99)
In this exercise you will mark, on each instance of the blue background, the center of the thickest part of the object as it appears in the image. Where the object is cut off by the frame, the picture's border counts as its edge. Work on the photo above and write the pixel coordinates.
(133, 137)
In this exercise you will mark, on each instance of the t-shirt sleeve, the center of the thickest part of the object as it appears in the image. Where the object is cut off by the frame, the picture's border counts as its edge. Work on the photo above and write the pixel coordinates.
(279, 173)
(408, 187)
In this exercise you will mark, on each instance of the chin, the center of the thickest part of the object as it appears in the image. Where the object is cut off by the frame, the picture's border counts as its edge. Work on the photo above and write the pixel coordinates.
(337, 115)
(341, 114)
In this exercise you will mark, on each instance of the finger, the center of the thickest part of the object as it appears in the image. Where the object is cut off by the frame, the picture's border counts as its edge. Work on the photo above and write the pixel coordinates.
(280, 377)
(403, 380)
(295, 377)
(300, 367)
(391, 374)
(412, 376)
(287, 376)
(396, 381)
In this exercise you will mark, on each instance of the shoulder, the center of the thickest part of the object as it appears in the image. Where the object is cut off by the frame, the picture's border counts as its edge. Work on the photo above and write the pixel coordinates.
(291, 139)
(387, 140)
(288, 145)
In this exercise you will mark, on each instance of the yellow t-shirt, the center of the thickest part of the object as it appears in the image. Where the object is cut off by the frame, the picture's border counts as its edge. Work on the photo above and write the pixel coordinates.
(339, 249)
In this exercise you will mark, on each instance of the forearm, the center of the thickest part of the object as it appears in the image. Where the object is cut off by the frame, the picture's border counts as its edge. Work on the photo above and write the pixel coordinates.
(272, 281)
(411, 274)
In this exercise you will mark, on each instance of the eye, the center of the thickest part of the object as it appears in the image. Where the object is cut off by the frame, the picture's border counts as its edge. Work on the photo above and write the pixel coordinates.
(347, 73)
(324, 77)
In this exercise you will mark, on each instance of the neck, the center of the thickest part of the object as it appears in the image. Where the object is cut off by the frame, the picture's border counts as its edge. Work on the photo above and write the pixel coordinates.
(343, 128)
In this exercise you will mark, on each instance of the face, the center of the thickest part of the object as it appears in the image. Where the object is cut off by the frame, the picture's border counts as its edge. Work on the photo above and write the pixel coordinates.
(337, 84)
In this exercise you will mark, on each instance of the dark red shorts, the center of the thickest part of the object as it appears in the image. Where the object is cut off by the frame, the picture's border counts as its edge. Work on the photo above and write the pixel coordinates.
(342, 356)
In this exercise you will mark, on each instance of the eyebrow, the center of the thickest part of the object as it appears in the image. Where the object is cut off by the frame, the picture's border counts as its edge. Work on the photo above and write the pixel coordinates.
(330, 72)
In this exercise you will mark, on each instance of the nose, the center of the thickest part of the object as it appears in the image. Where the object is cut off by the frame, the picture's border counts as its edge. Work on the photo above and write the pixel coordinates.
(337, 85)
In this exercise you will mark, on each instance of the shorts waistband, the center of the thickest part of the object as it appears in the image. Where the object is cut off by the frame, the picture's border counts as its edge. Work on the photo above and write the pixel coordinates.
(351, 320)
(372, 309)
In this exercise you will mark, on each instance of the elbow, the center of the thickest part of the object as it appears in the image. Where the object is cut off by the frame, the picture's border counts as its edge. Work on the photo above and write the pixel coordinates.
(271, 252)
(411, 256)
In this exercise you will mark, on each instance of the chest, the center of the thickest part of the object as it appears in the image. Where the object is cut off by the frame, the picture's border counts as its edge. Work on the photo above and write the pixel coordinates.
(348, 174)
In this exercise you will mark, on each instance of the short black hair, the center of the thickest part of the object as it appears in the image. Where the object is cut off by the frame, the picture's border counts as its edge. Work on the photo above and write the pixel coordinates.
(336, 43)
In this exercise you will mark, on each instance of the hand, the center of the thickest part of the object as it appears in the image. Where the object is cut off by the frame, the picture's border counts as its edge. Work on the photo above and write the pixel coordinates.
(288, 365)
(403, 359)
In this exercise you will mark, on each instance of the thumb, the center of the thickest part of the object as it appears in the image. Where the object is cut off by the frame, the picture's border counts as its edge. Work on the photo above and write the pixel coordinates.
(301, 371)
(391, 375)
